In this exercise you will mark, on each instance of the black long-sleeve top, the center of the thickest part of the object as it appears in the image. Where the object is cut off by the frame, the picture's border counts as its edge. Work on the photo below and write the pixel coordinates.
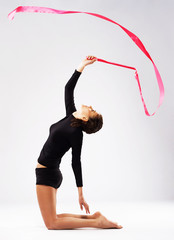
(62, 136)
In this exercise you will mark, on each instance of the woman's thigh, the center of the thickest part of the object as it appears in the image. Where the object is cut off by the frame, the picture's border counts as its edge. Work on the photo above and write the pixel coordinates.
(46, 196)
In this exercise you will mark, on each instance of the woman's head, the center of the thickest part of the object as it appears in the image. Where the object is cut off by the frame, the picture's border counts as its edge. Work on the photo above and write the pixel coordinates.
(88, 119)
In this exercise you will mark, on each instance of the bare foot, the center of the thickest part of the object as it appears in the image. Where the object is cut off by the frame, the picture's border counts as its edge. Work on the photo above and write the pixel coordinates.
(97, 214)
(103, 222)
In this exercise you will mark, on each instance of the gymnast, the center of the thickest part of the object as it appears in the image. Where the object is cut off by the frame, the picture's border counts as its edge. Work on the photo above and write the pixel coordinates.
(63, 135)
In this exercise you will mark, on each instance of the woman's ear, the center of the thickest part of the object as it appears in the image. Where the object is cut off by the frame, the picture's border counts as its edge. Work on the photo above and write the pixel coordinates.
(85, 119)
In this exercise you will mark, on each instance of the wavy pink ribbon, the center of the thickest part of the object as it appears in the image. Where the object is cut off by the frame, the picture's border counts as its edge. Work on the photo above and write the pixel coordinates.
(136, 40)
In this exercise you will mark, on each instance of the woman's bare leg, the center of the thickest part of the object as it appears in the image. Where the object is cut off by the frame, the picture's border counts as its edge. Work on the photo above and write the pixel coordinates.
(92, 216)
(47, 202)
(46, 196)
(71, 223)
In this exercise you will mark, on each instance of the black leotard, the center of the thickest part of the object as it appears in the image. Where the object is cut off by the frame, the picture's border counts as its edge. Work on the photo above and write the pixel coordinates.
(62, 136)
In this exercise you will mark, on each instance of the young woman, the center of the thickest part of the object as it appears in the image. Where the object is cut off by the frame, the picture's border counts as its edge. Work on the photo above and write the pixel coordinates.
(63, 135)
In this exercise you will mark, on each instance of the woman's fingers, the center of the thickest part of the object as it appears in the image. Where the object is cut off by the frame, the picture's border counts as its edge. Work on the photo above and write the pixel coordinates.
(89, 57)
(81, 206)
(84, 204)
(87, 208)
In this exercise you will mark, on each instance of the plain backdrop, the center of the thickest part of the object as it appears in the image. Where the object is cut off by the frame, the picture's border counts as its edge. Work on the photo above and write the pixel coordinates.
(131, 157)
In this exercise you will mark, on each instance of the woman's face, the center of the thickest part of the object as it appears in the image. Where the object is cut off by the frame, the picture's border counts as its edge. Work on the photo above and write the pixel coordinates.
(88, 111)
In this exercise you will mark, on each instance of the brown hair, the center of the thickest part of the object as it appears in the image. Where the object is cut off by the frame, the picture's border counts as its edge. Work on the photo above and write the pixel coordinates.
(93, 124)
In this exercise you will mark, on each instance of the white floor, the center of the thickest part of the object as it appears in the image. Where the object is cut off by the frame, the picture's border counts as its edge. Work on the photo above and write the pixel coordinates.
(139, 220)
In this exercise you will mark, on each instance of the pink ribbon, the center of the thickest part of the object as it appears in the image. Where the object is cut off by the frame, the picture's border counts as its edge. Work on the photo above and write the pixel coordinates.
(136, 40)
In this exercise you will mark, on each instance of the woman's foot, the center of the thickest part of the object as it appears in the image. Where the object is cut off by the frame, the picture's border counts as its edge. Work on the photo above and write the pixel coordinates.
(97, 214)
(103, 222)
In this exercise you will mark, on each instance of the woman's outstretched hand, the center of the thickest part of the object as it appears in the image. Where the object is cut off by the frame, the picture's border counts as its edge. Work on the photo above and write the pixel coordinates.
(88, 60)
(82, 203)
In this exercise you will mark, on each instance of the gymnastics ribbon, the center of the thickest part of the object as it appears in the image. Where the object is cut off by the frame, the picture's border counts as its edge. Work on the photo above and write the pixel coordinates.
(136, 40)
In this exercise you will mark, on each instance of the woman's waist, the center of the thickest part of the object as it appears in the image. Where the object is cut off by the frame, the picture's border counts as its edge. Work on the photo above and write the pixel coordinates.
(40, 166)
(48, 163)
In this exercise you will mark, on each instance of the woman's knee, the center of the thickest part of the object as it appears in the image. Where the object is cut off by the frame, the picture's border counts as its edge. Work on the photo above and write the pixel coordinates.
(50, 224)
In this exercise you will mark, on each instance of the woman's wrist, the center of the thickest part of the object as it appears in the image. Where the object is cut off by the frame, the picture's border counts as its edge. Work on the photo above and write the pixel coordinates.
(80, 192)
(81, 67)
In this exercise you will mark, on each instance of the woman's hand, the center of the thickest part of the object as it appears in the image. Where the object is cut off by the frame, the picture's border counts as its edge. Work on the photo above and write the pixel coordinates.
(89, 60)
(82, 203)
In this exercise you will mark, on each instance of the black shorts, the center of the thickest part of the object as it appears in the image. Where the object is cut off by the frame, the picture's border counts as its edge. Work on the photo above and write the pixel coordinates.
(49, 176)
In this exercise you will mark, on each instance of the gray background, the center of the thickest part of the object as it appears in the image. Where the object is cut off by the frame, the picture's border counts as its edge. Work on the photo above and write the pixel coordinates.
(131, 158)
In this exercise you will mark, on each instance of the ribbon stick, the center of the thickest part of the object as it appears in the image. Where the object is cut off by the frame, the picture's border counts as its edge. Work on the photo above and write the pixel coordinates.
(136, 40)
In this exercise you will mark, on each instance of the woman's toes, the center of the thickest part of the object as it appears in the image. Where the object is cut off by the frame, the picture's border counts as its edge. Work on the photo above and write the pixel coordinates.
(117, 225)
